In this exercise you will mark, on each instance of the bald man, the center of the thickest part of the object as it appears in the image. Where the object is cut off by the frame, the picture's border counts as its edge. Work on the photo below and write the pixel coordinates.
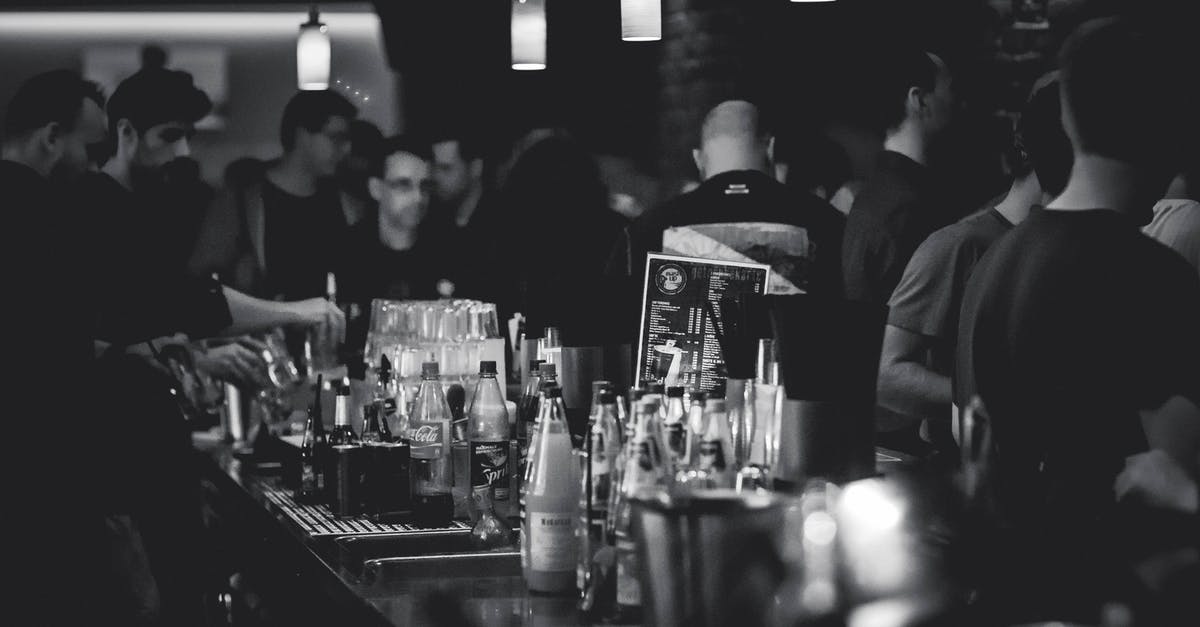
(739, 212)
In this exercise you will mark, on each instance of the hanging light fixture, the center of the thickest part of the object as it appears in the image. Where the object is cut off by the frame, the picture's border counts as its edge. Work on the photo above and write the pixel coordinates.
(641, 20)
(312, 53)
(528, 34)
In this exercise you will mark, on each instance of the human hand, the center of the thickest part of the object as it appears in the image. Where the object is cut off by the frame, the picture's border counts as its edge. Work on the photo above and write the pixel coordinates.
(234, 362)
(318, 311)
(1157, 479)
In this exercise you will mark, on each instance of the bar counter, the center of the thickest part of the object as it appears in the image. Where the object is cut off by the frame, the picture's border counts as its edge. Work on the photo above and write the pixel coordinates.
(296, 567)
(292, 576)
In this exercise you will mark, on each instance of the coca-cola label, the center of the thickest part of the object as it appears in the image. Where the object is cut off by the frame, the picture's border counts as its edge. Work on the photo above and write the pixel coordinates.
(489, 466)
(427, 439)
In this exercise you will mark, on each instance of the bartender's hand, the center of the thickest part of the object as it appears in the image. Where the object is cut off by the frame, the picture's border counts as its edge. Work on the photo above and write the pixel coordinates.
(235, 362)
(1156, 479)
(317, 311)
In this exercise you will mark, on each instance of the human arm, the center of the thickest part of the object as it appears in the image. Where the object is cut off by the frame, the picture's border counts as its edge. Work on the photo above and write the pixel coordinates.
(906, 384)
(1157, 479)
(249, 314)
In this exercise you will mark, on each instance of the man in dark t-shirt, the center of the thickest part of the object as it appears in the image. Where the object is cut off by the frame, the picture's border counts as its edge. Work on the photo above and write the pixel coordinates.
(900, 203)
(741, 211)
(918, 348)
(1081, 336)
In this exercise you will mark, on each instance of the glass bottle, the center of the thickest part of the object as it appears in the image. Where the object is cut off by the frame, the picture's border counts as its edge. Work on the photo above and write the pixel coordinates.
(739, 403)
(313, 453)
(491, 531)
(715, 458)
(429, 437)
(551, 497)
(390, 396)
(487, 434)
(642, 469)
(599, 455)
(674, 429)
(343, 433)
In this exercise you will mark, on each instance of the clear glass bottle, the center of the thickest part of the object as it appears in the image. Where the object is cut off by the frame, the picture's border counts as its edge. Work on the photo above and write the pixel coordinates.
(550, 500)
(715, 455)
(487, 433)
(643, 469)
(599, 455)
(429, 437)
(313, 453)
(674, 425)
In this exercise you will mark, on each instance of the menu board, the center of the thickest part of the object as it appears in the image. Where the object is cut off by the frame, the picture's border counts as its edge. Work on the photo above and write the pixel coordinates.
(677, 344)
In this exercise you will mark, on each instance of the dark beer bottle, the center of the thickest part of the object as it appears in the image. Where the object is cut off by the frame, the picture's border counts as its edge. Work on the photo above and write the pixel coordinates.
(313, 452)
(343, 433)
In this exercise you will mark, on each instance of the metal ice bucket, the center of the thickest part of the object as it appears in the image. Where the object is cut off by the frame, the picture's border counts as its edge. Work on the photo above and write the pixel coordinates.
(708, 558)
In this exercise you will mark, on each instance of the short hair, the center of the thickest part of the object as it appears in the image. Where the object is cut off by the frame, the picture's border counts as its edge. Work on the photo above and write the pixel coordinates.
(1130, 92)
(469, 146)
(154, 96)
(898, 72)
(1040, 144)
(814, 160)
(50, 97)
(396, 144)
(310, 110)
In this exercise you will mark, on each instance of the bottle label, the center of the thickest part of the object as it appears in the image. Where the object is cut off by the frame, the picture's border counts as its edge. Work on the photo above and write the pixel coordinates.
(308, 479)
(489, 466)
(427, 439)
(389, 407)
(629, 589)
(712, 455)
(551, 541)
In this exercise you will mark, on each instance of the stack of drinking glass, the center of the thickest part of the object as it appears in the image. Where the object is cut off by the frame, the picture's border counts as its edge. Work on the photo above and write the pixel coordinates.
(449, 332)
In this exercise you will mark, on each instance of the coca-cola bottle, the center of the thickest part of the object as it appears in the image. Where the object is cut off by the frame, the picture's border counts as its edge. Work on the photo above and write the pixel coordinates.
(550, 500)
(429, 439)
(487, 433)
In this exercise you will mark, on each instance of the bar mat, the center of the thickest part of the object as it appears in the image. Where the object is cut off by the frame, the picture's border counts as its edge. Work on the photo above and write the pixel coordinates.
(317, 520)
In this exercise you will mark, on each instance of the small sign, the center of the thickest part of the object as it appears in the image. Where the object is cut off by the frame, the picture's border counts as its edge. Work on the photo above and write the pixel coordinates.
(677, 344)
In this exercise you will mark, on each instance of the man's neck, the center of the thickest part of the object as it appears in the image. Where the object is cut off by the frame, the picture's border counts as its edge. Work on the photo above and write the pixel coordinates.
(396, 239)
(18, 154)
(466, 208)
(1102, 183)
(908, 141)
(120, 171)
(292, 176)
(1023, 194)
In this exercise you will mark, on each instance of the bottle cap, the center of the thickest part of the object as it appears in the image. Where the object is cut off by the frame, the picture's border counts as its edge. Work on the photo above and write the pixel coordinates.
(429, 369)
(699, 396)
(675, 391)
(554, 391)
(487, 367)
(548, 369)
(607, 397)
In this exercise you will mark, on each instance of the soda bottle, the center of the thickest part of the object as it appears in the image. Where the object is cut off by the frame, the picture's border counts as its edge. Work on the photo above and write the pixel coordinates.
(600, 452)
(674, 424)
(429, 437)
(550, 500)
(487, 433)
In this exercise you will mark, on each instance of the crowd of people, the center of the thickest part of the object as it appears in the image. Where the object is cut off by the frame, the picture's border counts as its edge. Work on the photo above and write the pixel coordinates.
(1069, 305)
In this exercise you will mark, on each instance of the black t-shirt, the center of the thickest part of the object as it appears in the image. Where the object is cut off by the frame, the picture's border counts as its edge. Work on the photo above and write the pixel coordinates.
(1070, 324)
(464, 253)
(301, 235)
(898, 206)
(141, 295)
(747, 196)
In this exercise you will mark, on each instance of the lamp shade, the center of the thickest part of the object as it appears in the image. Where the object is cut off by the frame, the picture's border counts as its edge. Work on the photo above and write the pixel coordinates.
(528, 34)
(313, 54)
(641, 20)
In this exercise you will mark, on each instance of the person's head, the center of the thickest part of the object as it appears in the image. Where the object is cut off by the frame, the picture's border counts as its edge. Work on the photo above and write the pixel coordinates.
(1040, 146)
(352, 173)
(733, 138)
(55, 124)
(1128, 95)
(401, 182)
(457, 167)
(916, 92)
(316, 129)
(151, 118)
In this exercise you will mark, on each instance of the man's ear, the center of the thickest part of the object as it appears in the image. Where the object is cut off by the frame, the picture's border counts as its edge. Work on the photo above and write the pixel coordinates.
(49, 136)
(914, 102)
(375, 188)
(476, 168)
(698, 159)
(770, 150)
